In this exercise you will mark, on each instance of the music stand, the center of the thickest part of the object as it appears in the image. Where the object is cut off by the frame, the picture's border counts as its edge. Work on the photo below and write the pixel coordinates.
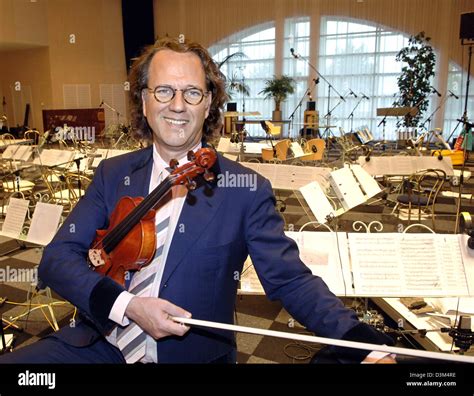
(394, 112)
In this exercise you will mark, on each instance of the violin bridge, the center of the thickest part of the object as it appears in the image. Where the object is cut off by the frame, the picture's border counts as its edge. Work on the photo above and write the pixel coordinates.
(95, 257)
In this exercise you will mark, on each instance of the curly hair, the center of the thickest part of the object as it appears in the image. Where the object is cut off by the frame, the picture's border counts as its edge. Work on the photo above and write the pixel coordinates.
(138, 77)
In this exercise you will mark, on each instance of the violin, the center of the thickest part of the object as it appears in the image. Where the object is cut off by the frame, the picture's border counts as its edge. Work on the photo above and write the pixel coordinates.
(129, 242)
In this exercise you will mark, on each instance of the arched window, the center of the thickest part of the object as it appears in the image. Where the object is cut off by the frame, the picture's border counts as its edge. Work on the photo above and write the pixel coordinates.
(258, 46)
(359, 57)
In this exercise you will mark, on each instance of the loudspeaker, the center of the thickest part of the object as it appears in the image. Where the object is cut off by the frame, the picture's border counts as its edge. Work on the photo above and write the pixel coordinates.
(311, 106)
(467, 26)
(231, 106)
(138, 27)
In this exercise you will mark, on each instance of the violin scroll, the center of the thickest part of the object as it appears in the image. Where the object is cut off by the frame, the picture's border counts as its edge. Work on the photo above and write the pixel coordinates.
(200, 162)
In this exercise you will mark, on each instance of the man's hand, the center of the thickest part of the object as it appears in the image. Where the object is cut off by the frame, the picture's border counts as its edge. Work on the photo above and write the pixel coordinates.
(152, 315)
(388, 359)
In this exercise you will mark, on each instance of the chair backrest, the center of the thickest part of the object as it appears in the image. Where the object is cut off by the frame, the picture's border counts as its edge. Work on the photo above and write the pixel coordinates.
(315, 149)
(274, 130)
(281, 149)
(32, 134)
(428, 182)
(7, 136)
(267, 154)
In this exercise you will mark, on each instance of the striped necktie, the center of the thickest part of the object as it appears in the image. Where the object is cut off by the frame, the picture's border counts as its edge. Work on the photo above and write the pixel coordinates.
(131, 339)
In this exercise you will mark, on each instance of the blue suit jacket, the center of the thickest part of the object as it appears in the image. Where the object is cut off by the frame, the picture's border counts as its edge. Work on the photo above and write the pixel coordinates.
(221, 226)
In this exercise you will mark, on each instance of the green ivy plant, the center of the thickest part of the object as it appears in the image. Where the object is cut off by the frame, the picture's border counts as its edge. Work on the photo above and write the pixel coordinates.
(414, 81)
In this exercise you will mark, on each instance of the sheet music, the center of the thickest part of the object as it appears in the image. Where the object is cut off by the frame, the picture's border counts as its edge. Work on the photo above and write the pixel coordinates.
(327, 257)
(23, 153)
(346, 188)
(53, 157)
(8, 341)
(318, 250)
(393, 264)
(10, 152)
(44, 223)
(317, 201)
(290, 177)
(402, 165)
(16, 213)
(249, 282)
(442, 340)
(297, 150)
(368, 183)
(433, 162)
(83, 163)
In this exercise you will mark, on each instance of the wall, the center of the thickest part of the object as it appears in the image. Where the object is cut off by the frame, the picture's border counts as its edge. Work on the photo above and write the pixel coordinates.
(22, 71)
(86, 45)
(23, 24)
(68, 41)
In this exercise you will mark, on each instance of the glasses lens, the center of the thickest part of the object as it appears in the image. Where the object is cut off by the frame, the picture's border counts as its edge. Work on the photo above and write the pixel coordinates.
(193, 96)
(163, 94)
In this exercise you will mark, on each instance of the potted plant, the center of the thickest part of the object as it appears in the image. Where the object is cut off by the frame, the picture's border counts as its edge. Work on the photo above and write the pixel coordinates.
(278, 89)
(414, 81)
(234, 84)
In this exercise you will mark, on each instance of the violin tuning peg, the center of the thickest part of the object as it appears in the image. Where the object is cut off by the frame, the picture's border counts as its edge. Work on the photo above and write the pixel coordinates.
(208, 176)
(191, 155)
(174, 163)
(190, 184)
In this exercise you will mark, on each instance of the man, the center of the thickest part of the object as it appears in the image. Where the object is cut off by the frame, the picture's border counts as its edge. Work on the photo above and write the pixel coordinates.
(203, 239)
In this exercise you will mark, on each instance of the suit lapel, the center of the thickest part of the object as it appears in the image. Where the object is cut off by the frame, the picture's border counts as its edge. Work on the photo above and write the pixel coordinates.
(137, 183)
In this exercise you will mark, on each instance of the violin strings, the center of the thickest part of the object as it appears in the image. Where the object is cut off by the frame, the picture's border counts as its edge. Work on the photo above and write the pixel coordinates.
(113, 238)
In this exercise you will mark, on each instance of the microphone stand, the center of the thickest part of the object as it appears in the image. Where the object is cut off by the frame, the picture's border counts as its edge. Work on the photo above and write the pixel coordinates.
(467, 132)
(309, 92)
(330, 86)
(428, 120)
(112, 109)
(351, 116)
(291, 117)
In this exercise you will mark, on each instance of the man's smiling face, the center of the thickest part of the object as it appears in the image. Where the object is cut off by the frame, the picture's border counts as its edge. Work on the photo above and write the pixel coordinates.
(177, 125)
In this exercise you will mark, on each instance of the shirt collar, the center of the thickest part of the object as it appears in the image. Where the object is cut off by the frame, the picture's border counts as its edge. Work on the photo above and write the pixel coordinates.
(160, 165)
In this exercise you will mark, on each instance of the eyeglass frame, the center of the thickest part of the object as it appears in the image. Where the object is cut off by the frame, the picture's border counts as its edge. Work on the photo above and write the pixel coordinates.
(153, 90)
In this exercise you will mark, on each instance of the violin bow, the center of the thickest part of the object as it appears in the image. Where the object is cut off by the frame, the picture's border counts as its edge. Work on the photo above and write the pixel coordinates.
(325, 340)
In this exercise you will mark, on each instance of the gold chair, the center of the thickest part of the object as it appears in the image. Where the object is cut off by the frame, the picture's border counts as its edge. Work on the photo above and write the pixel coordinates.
(32, 134)
(315, 149)
(279, 151)
(63, 186)
(420, 192)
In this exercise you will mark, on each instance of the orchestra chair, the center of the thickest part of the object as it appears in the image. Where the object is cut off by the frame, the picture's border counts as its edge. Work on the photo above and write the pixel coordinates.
(314, 149)
(33, 135)
(420, 193)
(279, 151)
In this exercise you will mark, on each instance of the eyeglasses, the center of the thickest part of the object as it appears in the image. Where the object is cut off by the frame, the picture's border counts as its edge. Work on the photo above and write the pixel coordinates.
(165, 94)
